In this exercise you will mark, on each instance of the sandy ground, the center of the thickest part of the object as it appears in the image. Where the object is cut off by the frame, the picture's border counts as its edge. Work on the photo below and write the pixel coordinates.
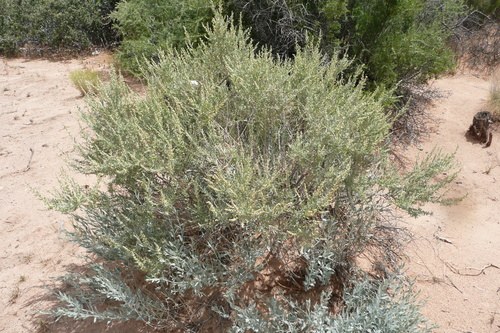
(455, 257)
(39, 124)
(450, 257)
(38, 117)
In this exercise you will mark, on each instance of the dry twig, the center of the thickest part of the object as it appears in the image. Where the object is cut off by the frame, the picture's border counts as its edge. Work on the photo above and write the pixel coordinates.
(442, 239)
(453, 285)
(481, 270)
(29, 162)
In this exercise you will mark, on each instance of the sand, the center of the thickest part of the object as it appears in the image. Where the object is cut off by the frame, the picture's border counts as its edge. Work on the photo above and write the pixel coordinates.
(454, 258)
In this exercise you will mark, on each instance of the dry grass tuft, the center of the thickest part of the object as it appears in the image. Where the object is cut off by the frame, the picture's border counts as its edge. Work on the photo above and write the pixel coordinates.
(85, 80)
(494, 101)
(14, 295)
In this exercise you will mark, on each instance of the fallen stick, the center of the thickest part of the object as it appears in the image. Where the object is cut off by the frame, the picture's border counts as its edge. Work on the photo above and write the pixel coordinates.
(442, 239)
(481, 271)
(453, 285)
(29, 162)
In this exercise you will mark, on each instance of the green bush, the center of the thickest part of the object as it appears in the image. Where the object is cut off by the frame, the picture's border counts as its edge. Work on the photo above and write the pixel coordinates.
(488, 7)
(404, 40)
(52, 25)
(394, 40)
(148, 26)
(12, 22)
(234, 180)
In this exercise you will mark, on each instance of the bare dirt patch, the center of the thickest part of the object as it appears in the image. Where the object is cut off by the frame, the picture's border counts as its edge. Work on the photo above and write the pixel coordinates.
(39, 122)
(38, 117)
(455, 257)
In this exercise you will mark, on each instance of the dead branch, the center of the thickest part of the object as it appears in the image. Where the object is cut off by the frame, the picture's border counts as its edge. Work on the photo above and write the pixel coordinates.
(453, 285)
(477, 40)
(29, 162)
(481, 270)
(442, 239)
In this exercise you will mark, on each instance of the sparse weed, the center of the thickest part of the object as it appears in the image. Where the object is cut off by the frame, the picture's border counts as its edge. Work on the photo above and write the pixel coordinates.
(85, 80)
(14, 295)
(494, 100)
(26, 259)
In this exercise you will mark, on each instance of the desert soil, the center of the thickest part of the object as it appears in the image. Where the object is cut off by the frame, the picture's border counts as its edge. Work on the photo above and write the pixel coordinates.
(454, 257)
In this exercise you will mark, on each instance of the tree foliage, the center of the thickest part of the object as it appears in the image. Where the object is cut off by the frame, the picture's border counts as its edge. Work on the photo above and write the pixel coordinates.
(236, 179)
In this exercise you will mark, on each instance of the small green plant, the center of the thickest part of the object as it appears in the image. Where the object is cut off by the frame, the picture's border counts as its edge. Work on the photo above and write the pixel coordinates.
(85, 80)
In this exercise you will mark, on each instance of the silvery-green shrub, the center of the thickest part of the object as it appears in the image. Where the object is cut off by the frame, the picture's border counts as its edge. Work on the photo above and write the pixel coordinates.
(232, 163)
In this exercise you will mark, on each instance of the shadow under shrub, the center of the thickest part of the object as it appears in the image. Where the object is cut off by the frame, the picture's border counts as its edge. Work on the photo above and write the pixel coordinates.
(240, 190)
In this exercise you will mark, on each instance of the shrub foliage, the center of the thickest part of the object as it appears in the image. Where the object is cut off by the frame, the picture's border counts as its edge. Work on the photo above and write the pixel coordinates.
(147, 26)
(395, 40)
(51, 25)
(404, 40)
(238, 188)
(488, 7)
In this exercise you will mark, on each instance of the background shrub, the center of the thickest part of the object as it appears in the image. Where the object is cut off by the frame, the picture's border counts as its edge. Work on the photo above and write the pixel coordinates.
(404, 40)
(238, 184)
(394, 40)
(488, 7)
(40, 26)
(148, 26)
